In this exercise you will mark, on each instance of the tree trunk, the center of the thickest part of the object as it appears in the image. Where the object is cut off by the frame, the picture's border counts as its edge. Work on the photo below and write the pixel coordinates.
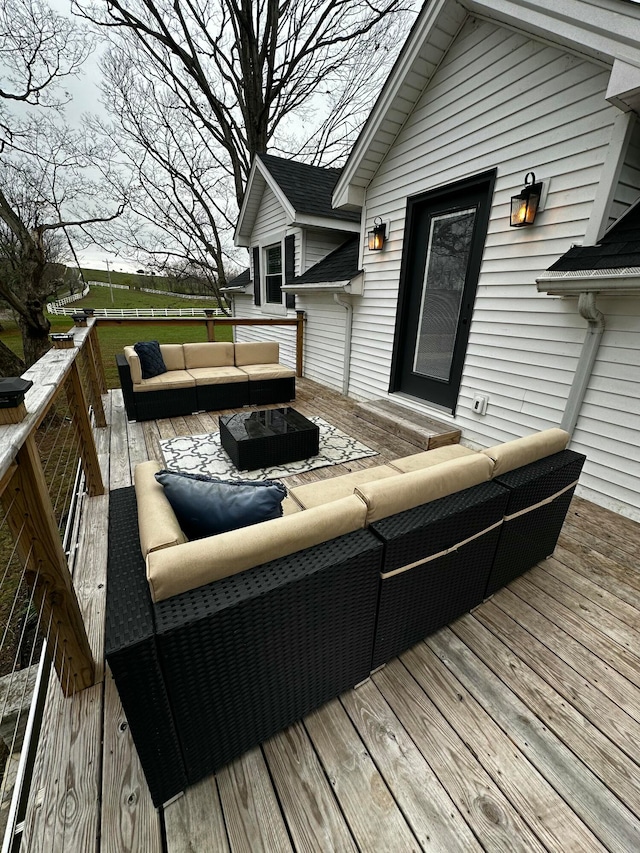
(35, 331)
(10, 364)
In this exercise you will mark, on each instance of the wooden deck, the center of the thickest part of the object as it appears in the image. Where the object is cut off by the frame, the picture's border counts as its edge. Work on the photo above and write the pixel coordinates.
(517, 728)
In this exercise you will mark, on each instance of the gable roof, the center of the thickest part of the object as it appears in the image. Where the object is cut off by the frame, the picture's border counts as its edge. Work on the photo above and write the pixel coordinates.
(608, 31)
(238, 282)
(303, 191)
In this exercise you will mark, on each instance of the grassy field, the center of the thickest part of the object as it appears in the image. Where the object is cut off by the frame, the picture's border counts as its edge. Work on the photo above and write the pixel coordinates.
(100, 297)
(131, 279)
(113, 338)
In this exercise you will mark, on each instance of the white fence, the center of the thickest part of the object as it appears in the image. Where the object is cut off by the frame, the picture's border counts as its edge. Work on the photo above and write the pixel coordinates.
(51, 306)
(139, 312)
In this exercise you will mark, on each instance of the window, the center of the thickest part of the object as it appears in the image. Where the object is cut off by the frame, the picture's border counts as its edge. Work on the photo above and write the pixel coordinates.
(273, 274)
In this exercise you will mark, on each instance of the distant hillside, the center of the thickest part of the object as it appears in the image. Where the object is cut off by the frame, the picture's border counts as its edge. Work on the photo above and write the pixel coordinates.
(155, 282)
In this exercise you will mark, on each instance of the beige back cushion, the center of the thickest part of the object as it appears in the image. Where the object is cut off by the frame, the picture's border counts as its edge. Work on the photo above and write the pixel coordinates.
(173, 356)
(176, 570)
(134, 365)
(264, 352)
(157, 524)
(427, 458)
(208, 355)
(334, 488)
(396, 494)
(522, 451)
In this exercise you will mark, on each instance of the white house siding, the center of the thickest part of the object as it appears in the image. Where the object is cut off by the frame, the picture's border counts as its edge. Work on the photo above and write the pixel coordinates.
(318, 244)
(628, 189)
(502, 100)
(323, 356)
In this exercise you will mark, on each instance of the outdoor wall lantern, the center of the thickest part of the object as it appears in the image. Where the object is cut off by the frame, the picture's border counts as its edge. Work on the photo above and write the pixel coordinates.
(377, 236)
(524, 206)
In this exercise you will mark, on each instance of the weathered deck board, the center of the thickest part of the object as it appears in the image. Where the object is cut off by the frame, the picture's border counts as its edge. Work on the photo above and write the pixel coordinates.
(517, 728)
(608, 819)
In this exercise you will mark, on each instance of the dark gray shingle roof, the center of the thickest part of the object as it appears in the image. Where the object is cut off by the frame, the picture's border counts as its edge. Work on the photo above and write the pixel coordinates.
(308, 188)
(618, 249)
(340, 265)
(241, 280)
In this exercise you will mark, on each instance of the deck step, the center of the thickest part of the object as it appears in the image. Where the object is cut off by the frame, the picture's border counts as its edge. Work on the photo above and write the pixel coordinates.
(407, 424)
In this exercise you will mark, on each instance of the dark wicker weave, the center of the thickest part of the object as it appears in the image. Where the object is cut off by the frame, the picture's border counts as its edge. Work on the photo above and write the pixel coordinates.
(263, 391)
(299, 439)
(169, 403)
(264, 648)
(239, 659)
(150, 405)
(231, 395)
(131, 650)
(532, 536)
(416, 602)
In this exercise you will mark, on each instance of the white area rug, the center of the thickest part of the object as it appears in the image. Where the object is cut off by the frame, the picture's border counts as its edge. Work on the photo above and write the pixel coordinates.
(203, 454)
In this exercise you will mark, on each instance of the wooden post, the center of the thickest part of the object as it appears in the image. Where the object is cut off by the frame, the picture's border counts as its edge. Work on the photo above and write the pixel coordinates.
(299, 342)
(94, 341)
(88, 453)
(211, 325)
(94, 385)
(32, 522)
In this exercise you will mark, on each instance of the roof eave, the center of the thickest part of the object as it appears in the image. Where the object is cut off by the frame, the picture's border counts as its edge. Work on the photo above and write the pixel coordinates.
(259, 172)
(351, 285)
(607, 282)
(329, 223)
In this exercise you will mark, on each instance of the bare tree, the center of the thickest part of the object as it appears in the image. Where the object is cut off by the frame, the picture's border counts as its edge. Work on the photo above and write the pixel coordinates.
(243, 71)
(197, 88)
(45, 190)
(45, 193)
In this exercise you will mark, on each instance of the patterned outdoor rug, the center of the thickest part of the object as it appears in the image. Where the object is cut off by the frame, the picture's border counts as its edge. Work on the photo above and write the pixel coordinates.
(203, 454)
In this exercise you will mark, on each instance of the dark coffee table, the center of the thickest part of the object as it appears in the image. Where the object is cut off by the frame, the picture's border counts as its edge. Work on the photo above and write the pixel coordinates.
(260, 439)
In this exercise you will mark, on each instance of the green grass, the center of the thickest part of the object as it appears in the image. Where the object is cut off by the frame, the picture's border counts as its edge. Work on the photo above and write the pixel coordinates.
(131, 279)
(100, 297)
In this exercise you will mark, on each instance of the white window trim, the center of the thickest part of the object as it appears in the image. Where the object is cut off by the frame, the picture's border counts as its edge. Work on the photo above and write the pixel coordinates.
(272, 309)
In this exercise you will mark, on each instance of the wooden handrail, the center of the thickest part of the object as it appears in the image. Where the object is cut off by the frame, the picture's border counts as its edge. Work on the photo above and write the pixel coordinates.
(212, 322)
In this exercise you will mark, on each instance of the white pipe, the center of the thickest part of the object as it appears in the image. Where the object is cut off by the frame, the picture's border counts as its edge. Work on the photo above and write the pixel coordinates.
(343, 300)
(595, 330)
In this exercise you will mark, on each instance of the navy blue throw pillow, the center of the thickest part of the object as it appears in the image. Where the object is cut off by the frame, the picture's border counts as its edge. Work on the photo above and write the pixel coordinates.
(205, 506)
(151, 360)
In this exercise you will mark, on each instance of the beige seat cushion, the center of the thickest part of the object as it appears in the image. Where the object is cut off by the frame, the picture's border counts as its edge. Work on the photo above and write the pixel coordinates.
(404, 491)
(418, 461)
(334, 488)
(289, 506)
(204, 560)
(208, 355)
(268, 371)
(173, 356)
(157, 524)
(217, 375)
(261, 352)
(522, 451)
(166, 381)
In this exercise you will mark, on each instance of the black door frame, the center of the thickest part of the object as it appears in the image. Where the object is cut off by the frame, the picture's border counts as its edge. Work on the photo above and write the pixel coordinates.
(483, 181)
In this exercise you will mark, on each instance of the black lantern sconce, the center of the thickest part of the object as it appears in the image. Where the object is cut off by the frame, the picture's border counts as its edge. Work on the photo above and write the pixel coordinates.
(377, 236)
(524, 206)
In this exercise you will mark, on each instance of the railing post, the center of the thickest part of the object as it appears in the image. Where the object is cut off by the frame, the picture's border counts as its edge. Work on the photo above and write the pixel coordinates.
(32, 522)
(299, 342)
(211, 324)
(92, 380)
(89, 455)
(96, 356)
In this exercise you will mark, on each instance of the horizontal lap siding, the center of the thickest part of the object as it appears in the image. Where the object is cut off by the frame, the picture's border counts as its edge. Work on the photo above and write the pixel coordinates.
(501, 100)
(318, 246)
(628, 188)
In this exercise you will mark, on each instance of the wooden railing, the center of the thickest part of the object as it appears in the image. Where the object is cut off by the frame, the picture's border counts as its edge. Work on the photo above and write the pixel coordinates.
(212, 320)
(67, 387)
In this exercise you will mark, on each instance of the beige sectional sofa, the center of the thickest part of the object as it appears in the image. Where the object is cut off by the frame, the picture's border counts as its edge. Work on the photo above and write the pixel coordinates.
(205, 377)
(246, 631)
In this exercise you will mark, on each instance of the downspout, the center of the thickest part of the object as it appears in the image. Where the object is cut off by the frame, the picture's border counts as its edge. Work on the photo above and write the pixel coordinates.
(345, 302)
(595, 329)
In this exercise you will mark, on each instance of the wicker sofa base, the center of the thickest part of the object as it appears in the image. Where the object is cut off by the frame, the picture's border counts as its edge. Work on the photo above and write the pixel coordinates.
(151, 405)
(206, 675)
